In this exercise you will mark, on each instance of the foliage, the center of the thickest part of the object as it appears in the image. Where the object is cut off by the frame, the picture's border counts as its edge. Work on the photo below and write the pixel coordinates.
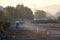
(25, 12)
(40, 14)
(20, 12)
(4, 25)
(58, 18)
(10, 12)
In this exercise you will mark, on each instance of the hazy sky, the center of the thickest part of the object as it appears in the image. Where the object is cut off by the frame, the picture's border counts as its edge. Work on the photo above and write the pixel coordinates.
(29, 3)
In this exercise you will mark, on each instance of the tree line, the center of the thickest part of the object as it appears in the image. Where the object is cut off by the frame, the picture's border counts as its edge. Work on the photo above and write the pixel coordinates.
(16, 13)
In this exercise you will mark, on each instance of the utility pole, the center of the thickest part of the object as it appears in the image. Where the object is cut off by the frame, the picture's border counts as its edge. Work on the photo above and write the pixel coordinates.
(13, 16)
(34, 12)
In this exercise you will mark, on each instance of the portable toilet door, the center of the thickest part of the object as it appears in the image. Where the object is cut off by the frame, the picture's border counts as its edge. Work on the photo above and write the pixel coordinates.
(17, 24)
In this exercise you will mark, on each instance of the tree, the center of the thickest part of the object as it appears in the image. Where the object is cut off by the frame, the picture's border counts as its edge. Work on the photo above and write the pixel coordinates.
(10, 11)
(4, 25)
(1, 13)
(24, 12)
(39, 14)
(58, 16)
(2, 16)
(20, 12)
(28, 14)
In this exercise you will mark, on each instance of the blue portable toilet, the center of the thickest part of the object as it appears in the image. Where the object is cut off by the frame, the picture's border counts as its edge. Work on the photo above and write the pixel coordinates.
(17, 24)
